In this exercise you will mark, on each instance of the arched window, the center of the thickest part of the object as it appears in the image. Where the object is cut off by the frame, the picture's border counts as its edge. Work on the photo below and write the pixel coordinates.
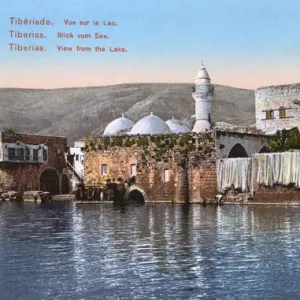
(237, 151)
(282, 112)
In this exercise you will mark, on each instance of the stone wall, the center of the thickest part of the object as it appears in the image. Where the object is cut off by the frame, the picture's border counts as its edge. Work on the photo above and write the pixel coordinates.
(277, 194)
(271, 178)
(22, 176)
(251, 142)
(189, 159)
(272, 98)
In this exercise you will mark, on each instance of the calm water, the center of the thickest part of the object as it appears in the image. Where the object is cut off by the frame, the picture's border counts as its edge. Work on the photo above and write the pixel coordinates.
(68, 251)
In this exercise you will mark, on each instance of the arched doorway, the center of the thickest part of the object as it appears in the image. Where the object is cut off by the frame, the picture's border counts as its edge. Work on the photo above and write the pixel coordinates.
(65, 186)
(264, 150)
(135, 196)
(49, 182)
(237, 151)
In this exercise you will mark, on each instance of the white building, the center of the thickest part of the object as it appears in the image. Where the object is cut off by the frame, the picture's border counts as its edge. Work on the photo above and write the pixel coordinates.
(277, 107)
(77, 166)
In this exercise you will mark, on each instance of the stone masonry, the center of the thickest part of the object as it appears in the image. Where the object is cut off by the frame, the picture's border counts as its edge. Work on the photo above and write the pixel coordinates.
(271, 99)
(169, 168)
(22, 175)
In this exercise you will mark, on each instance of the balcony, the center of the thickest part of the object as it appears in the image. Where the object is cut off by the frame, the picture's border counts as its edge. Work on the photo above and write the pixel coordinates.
(22, 159)
(17, 153)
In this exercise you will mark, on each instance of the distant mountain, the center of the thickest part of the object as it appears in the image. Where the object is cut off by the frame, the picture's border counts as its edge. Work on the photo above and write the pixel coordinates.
(79, 112)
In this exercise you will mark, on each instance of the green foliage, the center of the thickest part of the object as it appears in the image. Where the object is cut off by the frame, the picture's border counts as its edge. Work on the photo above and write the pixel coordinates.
(143, 142)
(92, 146)
(284, 141)
(117, 142)
(184, 140)
(106, 141)
(172, 143)
(157, 141)
(129, 143)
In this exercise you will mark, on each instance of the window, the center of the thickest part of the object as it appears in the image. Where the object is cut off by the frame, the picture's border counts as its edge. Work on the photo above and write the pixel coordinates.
(103, 170)
(133, 170)
(27, 154)
(166, 175)
(45, 155)
(35, 155)
(282, 113)
(11, 153)
(20, 154)
(77, 157)
(269, 114)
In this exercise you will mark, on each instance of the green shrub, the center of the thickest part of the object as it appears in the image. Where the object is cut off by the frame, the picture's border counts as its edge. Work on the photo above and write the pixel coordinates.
(284, 141)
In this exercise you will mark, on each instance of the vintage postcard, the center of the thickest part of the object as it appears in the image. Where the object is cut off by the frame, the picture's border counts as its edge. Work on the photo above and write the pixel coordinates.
(149, 149)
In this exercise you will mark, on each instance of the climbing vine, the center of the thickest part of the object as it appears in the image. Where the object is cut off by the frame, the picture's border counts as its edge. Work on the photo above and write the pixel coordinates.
(156, 148)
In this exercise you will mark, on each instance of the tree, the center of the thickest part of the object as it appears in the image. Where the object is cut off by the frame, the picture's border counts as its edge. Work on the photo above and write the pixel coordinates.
(284, 141)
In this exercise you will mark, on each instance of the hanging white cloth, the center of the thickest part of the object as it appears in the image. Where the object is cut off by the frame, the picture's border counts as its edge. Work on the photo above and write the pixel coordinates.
(234, 172)
(278, 168)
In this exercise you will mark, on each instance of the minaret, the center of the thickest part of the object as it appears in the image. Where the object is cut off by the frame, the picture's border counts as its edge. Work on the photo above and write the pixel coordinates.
(202, 96)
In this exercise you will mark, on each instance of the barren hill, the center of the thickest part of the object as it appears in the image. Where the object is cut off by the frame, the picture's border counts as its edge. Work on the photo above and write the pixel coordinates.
(78, 112)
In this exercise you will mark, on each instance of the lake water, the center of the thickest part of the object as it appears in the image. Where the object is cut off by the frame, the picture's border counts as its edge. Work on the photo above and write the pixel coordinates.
(153, 251)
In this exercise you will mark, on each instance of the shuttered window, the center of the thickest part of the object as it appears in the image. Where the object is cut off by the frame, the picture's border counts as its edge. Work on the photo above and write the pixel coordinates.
(269, 114)
(282, 113)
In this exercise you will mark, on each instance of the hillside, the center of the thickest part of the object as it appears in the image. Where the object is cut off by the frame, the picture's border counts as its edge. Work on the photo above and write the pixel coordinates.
(78, 112)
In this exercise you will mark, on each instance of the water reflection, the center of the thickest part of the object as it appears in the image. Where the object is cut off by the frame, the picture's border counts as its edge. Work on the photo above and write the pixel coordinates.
(154, 251)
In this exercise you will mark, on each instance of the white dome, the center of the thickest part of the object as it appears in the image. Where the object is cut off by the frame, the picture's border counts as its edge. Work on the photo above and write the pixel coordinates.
(118, 125)
(177, 127)
(150, 125)
(202, 74)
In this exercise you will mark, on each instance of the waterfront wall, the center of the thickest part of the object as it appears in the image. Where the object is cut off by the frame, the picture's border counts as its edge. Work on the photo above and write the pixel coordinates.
(269, 177)
(170, 168)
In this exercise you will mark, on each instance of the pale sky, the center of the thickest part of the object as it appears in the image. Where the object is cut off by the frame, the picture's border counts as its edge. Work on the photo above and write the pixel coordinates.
(244, 43)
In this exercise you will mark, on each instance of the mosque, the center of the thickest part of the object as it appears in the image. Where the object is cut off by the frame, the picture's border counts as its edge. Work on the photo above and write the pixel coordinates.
(190, 161)
(152, 124)
(168, 161)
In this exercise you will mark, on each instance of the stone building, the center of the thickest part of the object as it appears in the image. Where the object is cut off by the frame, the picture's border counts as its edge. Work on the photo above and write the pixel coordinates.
(179, 168)
(168, 161)
(277, 107)
(31, 162)
(176, 168)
